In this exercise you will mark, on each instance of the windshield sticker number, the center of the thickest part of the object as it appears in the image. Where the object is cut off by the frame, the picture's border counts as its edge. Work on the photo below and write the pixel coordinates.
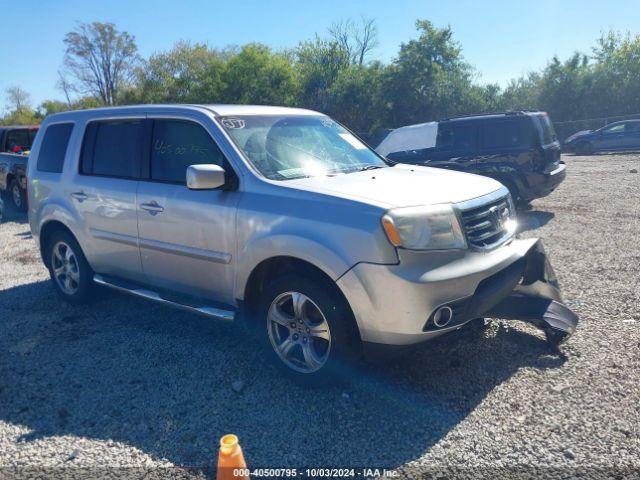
(234, 123)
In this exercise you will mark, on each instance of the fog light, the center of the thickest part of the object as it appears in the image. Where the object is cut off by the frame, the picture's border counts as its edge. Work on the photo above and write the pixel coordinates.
(442, 317)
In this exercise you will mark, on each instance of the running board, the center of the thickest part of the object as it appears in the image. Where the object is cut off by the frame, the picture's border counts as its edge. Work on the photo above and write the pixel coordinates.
(207, 311)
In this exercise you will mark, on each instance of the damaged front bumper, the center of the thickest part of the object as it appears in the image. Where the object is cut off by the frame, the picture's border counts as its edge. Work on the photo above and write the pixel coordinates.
(397, 306)
(537, 299)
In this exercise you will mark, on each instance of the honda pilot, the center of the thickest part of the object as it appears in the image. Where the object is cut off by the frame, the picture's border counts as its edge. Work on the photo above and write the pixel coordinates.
(284, 220)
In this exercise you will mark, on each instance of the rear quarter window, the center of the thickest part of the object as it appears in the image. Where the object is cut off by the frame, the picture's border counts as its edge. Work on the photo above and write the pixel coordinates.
(545, 128)
(54, 147)
(506, 134)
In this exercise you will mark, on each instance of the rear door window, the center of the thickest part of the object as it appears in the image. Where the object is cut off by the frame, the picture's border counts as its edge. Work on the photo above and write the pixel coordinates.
(54, 147)
(175, 145)
(113, 148)
(456, 136)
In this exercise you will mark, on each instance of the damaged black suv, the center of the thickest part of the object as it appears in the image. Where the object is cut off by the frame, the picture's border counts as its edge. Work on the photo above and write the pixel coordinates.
(519, 149)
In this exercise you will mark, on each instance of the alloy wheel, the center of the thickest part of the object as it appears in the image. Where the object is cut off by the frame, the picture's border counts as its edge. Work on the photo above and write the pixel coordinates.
(299, 332)
(64, 265)
(16, 195)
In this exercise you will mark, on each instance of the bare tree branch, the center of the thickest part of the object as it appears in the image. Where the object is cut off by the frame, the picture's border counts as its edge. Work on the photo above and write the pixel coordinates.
(101, 59)
(356, 40)
(65, 85)
(17, 98)
(366, 38)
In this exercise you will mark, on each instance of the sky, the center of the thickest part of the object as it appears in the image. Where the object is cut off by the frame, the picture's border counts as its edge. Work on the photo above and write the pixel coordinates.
(502, 39)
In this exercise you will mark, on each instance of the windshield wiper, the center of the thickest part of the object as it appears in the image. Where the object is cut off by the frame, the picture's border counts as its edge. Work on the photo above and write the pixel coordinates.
(370, 167)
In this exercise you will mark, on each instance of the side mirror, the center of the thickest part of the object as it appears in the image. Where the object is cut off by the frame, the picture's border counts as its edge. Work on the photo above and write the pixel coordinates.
(205, 177)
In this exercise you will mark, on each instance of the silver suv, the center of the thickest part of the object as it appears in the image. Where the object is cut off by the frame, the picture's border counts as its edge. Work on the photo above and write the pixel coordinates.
(282, 218)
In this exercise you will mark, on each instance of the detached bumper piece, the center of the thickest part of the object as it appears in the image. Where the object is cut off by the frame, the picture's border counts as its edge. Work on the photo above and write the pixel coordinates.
(537, 299)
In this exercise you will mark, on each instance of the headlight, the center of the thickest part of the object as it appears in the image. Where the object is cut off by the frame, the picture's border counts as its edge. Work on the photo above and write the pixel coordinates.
(433, 227)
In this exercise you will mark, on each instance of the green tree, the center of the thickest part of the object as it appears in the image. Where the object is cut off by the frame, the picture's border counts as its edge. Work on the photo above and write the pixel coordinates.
(20, 111)
(356, 98)
(428, 79)
(187, 73)
(256, 75)
(319, 64)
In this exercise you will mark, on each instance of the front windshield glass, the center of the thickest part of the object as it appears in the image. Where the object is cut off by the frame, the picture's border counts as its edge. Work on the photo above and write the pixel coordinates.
(283, 147)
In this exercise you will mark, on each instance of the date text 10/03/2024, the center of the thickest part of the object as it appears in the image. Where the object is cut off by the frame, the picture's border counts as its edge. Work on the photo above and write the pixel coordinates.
(315, 473)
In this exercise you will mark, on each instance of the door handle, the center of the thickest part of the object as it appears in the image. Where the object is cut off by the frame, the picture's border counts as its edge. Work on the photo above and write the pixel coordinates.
(153, 208)
(80, 196)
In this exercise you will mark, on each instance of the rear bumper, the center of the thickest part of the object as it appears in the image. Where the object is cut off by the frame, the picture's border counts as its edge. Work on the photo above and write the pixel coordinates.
(542, 184)
(394, 305)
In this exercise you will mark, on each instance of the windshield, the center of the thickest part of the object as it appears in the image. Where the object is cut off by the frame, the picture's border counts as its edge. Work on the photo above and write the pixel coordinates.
(287, 147)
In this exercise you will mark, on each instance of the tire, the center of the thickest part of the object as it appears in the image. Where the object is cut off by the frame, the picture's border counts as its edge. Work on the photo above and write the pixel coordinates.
(513, 190)
(70, 272)
(555, 337)
(584, 148)
(18, 196)
(287, 330)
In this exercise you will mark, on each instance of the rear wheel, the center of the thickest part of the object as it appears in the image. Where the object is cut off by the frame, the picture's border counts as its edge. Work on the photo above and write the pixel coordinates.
(308, 330)
(18, 196)
(71, 274)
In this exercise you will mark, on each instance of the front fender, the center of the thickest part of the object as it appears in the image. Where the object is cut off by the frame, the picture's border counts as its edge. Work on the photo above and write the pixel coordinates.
(285, 245)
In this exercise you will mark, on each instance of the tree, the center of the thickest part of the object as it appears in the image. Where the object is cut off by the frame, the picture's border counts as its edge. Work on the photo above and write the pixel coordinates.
(65, 86)
(187, 73)
(356, 40)
(428, 79)
(258, 75)
(20, 111)
(356, 97)
(318, 64)
(17, 98)
(101, 59)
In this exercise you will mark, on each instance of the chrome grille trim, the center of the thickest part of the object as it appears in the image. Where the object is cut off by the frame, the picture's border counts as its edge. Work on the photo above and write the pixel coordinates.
(477, 219)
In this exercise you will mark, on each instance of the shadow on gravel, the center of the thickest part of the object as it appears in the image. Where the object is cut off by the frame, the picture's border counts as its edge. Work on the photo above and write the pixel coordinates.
(614, 152)
(533, 219)
(160, 380)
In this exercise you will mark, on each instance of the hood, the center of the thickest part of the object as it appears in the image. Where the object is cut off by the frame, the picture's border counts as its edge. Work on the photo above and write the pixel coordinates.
(578, 134)
(401, 186)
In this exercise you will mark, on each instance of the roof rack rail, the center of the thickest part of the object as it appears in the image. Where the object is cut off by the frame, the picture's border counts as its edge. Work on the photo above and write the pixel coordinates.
(486, 114)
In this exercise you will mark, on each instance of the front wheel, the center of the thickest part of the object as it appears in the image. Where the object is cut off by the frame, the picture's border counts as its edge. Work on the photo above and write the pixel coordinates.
(18, 196)
(308, 329)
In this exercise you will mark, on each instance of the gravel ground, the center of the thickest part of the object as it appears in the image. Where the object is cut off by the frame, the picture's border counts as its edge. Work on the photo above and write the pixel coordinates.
(130, 384)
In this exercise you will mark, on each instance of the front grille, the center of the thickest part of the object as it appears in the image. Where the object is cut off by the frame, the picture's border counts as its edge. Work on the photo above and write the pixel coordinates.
(485, 226)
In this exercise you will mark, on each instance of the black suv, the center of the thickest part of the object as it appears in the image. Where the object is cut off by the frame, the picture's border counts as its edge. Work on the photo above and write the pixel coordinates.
(519, 149)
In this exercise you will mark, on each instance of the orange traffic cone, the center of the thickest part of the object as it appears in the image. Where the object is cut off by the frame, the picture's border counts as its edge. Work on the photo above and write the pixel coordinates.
(231, 464)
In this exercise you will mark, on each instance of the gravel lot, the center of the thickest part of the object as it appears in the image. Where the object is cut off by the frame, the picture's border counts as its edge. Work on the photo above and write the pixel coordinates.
(127, 383)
